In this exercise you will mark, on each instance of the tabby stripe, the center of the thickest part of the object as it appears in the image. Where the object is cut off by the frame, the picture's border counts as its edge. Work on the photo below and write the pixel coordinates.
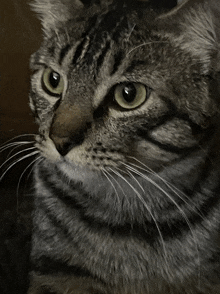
(91, 222)
(181, 150)
(51, 50)
(121, 231)
(64, 52)
(118, 58)
(79, 50)
(149, 231)
(63, 229)
(67, 200)
(180, 227)
(176, 226)
(47, 265)
(97, 37)
(115, 34)
(92, 25)
(175, 112)
(171, 148)
(134, 64)
(101, 58)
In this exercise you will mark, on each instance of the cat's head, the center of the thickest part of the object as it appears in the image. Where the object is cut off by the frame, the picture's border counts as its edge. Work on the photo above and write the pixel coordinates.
(116, 80)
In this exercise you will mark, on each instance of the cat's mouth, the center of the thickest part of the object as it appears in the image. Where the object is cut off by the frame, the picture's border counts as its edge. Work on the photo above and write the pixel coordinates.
(93, 158)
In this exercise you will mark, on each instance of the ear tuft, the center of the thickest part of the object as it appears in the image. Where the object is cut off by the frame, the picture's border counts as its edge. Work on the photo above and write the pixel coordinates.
(199, 33)
(195, 26)
(53, 12)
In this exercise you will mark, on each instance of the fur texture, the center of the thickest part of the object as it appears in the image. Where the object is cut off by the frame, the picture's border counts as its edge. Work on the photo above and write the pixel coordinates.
(127, 183)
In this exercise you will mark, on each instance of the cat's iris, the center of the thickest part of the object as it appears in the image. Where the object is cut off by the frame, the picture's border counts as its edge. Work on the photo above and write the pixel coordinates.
(52, 82)
(130, 95)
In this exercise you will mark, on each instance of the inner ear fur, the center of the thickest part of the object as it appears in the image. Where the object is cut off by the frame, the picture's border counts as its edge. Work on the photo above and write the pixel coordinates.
(195, 27)
(53, 12)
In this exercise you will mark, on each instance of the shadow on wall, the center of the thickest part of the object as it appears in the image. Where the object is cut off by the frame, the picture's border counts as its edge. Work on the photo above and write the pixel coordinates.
(21, 35)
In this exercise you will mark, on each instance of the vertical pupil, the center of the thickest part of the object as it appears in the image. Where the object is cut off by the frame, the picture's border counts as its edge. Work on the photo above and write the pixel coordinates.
(54, 79)
(129, 92)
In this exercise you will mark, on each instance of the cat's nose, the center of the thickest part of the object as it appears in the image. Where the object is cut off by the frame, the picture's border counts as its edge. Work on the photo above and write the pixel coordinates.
(65, 144)
(69, 126)
(62, 144)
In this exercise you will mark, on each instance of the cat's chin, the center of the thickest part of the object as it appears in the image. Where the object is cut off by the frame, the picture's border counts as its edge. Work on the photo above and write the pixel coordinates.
(76, 172)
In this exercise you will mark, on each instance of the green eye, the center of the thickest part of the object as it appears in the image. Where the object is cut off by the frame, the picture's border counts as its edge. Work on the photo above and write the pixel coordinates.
(52, 82)
(130, 95)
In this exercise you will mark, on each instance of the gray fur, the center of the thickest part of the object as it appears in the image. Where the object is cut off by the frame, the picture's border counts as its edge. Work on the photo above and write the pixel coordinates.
(127, 201)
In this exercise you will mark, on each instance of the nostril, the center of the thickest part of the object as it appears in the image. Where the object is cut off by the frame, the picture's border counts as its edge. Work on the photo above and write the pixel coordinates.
(65, 144)
(62, 144)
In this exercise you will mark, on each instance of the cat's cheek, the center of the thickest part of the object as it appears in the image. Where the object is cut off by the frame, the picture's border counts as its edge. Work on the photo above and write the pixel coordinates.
(153, 156)
(88, 177)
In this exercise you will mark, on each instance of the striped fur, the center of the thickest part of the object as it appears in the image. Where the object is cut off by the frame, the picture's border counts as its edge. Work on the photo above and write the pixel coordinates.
(126, 201)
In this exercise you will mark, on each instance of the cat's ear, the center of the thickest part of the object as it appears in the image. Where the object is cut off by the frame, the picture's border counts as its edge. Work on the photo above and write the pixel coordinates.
(54, 12)
(195, 27)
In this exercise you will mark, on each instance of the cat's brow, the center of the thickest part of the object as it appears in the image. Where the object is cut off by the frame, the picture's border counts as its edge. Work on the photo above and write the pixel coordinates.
(81, 49)
(99, 95)
(64, 52)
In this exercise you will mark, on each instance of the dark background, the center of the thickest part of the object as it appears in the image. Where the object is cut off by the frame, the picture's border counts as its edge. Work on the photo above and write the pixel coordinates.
(20, 36)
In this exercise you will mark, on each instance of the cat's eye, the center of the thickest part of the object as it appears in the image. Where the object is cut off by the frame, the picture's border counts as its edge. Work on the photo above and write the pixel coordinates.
(130, 95)
(52, 82)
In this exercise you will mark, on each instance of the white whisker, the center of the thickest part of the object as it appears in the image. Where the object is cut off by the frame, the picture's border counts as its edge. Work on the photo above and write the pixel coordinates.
(16, 137)
(136, 181)
(40, 159)
(18, 145)
(144, 44)
(118, 183)
(19, 181)
(170, 198)
(157, 186)
(67, 35)
(169, 185)
(113, 186)
(146, 206)
(7, 146)
(16, 154)
(22, 158)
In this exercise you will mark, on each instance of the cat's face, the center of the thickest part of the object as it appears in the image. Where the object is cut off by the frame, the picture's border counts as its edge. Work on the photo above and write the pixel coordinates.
(119, 85)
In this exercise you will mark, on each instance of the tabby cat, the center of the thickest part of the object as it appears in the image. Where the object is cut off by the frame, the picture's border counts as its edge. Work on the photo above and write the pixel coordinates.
(126, 95)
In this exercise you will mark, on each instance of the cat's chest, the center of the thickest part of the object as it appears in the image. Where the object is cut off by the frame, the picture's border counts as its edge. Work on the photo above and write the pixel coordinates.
(105, 254)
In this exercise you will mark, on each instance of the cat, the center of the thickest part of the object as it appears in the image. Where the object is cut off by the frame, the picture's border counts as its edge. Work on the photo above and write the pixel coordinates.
(127, 179)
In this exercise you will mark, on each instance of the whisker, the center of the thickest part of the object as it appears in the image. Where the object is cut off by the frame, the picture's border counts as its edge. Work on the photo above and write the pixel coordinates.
(27, 149)
(18, 145)
(5, 147)
(67, 35)
(150, 171)
(117, 183)
(24, 157)
(113, 186)
(157, 186)
(146, 206)
(169, 185)
(171, 199)
(40, 159)
(19, 181)
(16, 137)
(136, 181)
(144, 44)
